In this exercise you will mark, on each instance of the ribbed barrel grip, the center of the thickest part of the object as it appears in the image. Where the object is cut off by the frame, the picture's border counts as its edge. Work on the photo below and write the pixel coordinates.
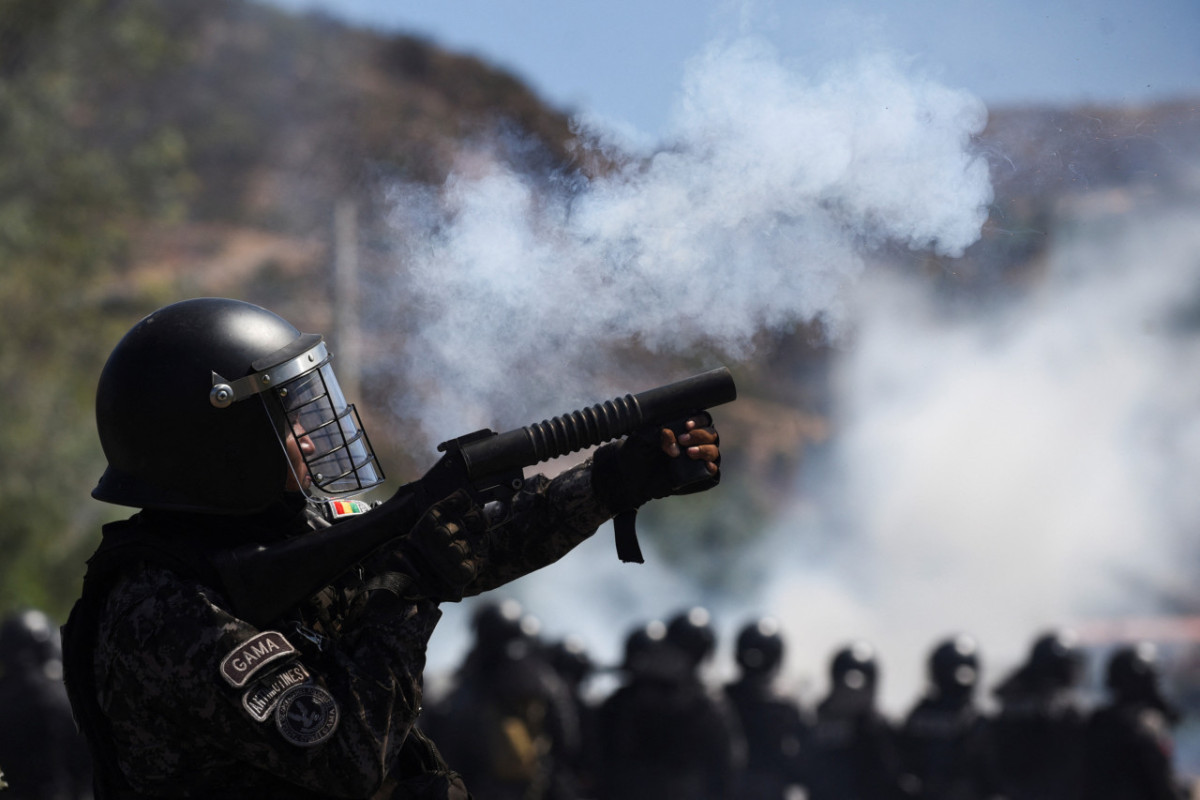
(520, 447)
(587, 427)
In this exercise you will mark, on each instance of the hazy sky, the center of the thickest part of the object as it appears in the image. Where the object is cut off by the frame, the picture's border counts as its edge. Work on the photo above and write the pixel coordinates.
(623, 59)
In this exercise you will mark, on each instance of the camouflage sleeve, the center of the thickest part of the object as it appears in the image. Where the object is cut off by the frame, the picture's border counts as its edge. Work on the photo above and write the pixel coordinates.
(197, 696)
(550, 517)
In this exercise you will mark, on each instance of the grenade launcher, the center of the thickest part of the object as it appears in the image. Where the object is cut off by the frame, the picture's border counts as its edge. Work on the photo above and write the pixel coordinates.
(264, 580)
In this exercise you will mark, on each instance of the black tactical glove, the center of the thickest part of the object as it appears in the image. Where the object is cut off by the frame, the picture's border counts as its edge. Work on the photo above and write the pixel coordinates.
(448, 546)
(635, 470)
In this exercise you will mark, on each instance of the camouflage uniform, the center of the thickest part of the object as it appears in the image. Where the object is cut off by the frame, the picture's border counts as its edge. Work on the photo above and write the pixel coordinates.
(199, 703)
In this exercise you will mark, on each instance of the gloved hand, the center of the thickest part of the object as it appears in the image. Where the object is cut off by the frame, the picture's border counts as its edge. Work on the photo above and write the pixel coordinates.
(658, 462)
(448, 546)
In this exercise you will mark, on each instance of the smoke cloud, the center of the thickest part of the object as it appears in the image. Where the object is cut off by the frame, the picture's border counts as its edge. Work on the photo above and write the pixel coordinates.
(995, 472)
(755, 217)
(1002, 473)
(758, 215)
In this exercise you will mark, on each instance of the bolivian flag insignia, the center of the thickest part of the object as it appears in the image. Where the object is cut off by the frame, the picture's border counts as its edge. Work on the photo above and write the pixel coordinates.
(340, 509)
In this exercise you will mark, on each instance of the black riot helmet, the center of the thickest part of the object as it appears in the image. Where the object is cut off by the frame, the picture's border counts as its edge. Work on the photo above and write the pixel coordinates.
(30, 644)
(1132, 677)
(496, 623)
(692, 632)
(954, 667)
(197, 403)
(641, 642)
(759, 647)
(1132, 673)
(855, 667)
(1055, 660)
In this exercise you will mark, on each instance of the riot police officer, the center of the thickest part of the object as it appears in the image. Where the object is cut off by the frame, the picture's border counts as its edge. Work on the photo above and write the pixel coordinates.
(571, 660)
(661, 733)
(945, 738)
(45, 757)
(855, 754)
(508, 724)
(772, 721)
(226, 427)
(1037, 733)
(1128, 742)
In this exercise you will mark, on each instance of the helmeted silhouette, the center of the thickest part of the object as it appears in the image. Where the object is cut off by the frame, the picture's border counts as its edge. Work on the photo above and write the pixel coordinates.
(661, 733)
(773, 723)
(1128, 742)
(855, 755)
(508, 724)
(44, 757)
(945, 737)
(1037, 732)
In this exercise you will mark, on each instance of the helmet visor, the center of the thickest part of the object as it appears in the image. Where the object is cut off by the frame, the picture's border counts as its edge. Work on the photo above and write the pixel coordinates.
(340, 459)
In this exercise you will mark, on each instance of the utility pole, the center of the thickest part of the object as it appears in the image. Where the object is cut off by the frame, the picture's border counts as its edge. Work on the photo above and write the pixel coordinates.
(346, 297)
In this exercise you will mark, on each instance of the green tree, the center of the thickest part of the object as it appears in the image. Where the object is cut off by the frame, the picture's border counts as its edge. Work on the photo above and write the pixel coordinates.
(75, 173)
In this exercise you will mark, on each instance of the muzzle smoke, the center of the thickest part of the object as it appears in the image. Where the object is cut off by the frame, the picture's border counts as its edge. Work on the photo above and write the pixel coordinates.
(994, 473)
(519, 292)
(755, 218)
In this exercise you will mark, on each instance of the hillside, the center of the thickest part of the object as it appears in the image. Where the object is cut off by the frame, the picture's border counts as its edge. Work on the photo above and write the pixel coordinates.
(162, 148)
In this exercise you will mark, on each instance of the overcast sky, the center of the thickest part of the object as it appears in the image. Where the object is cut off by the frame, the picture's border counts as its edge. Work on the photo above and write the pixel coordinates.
(623, 60)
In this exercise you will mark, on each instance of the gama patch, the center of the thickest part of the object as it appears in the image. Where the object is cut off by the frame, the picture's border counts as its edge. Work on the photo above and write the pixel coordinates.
(260, 699)
(241, 663)
(306, 715)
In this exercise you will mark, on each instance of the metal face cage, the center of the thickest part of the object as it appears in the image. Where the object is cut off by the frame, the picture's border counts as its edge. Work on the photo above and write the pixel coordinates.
(341, 460)
(302, 395)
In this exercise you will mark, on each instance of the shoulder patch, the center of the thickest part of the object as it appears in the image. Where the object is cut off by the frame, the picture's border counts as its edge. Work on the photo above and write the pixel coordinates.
(306, 715)
(260, 699)
(243, 661)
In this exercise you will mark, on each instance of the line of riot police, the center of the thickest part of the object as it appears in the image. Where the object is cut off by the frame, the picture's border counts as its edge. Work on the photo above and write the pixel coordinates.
(516, 722)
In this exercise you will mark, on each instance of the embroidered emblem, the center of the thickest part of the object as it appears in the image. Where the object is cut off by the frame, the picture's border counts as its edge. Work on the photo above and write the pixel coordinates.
(239, 666)
(260, 699)
(306, 715)
(340, 509)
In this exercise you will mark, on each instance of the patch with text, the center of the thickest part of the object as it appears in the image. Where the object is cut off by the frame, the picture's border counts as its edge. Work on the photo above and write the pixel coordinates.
(306, 715)
(241, 663)
(260, 699)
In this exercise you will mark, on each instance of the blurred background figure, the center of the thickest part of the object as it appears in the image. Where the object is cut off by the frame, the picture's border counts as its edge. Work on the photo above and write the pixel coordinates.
(43, 755)
(945, 738)
(662, 733)
(771, 721)
(1128, 741)
(1037, 731)
(855, 754)
(648, 667)
(570, 659)
(508, 724)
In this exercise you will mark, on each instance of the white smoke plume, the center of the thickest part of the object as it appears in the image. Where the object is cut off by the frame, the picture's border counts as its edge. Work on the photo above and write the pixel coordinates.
(755, 217)
(1000, 474)
(993, 473)
(758, 216)
(997, 473)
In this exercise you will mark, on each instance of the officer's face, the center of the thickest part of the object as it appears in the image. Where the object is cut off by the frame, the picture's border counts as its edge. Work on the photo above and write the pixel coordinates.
(297, 445)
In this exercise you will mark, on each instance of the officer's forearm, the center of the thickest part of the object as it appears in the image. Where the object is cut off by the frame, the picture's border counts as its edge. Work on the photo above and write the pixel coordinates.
(551, 517)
